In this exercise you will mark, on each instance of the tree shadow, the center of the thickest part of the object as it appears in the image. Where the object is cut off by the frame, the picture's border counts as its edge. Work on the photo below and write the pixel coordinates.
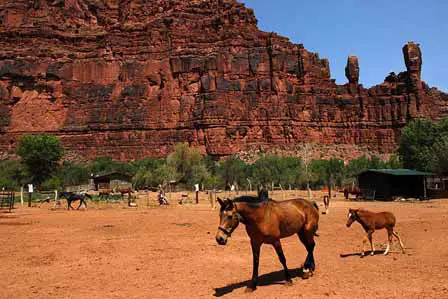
(277, 277)
(367, 253)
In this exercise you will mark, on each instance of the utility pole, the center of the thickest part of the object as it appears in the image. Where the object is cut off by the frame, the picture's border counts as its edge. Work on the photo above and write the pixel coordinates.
(310, 195)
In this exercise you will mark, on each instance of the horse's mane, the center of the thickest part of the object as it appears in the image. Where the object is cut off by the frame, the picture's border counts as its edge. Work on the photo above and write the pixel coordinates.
(252, 201)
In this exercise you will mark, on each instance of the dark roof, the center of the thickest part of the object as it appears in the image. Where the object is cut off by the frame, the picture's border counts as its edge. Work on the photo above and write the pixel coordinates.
(111, 173)
(400, 172)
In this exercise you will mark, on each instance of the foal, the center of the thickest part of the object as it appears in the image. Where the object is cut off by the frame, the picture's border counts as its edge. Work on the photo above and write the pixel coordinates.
(268, 221)
(371, 221)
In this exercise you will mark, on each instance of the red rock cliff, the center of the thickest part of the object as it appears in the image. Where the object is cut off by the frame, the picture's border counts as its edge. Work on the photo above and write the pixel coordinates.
(131, 78)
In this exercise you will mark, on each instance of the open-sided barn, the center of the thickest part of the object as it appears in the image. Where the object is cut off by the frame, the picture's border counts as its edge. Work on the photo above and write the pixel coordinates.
(385, 184)
(112, 180)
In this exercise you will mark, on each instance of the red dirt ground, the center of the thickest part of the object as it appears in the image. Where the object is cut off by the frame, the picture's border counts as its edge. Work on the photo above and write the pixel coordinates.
(110, 251)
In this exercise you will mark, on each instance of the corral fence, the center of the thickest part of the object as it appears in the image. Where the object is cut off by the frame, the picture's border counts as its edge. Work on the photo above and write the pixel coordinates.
(7, 200)
(39, 197)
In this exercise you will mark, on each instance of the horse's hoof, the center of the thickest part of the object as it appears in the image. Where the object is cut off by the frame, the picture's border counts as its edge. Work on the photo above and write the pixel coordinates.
(372, 253)
(288, 283)
(249, 290)
(307, 274)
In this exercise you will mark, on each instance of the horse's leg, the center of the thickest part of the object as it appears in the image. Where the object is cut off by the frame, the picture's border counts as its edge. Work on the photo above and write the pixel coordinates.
(69, 204)
(80, 203)
(256, 260)
(364, 240)
(372, 247)
(307, 238)
(278, 248)
(399, 240)
(389, 240)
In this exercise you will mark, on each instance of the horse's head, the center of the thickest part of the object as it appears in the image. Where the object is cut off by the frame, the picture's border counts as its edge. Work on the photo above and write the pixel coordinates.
(228, 221)
(352, 216)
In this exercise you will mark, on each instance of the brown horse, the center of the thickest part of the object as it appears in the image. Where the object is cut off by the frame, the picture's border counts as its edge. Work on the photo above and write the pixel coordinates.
(354, 190)
(268, 221)
(371, 221)
(127, 191)
(105, 193)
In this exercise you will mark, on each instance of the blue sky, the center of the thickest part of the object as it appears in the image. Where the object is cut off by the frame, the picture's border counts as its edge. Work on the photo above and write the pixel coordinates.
(375, 31)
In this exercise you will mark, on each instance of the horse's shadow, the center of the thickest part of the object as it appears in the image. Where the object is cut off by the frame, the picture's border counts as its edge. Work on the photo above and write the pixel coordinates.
(344, 255)
(277, 277)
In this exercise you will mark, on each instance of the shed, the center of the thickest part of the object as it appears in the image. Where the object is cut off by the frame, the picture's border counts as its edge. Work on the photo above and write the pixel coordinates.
(112, 180)
(385, 184)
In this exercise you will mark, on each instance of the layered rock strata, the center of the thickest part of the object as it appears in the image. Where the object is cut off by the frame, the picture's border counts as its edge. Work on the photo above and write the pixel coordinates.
(130, 79)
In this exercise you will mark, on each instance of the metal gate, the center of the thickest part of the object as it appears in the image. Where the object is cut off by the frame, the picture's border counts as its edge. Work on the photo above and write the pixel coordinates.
(7, 200)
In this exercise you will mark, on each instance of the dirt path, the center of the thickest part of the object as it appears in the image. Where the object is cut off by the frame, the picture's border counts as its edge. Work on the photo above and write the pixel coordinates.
(170, 252)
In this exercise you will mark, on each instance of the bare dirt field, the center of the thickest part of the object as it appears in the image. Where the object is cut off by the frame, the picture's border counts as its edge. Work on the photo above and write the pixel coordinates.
(111, 251)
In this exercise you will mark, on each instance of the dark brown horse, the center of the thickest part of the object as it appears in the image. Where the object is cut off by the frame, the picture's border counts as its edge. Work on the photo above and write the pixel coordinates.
(354, 190)
(127, 191)
(371, 221)
(70, 196)
(268, 221)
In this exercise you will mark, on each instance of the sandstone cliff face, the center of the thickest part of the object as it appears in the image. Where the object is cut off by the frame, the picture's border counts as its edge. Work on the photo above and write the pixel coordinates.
(131, 78)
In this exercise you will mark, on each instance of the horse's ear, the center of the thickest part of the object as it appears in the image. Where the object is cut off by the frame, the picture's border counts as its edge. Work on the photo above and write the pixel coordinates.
(220, 201)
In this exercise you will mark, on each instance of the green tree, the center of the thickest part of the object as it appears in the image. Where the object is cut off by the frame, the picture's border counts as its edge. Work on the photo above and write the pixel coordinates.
(188, 165)
(330, 172)
(266, 170)
(375, 162)
(394, 162)
(232, 170)
(356, 166)
(12, 175)
(106, 164)
(73, 174)
(147, 173)
(142, 179)
(40, 155)
(291, 171)
(440, 161)
(273, 169)
(416, 142)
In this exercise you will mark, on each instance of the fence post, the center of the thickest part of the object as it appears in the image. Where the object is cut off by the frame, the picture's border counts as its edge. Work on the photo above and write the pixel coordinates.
(56, 199)
(21, 196)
